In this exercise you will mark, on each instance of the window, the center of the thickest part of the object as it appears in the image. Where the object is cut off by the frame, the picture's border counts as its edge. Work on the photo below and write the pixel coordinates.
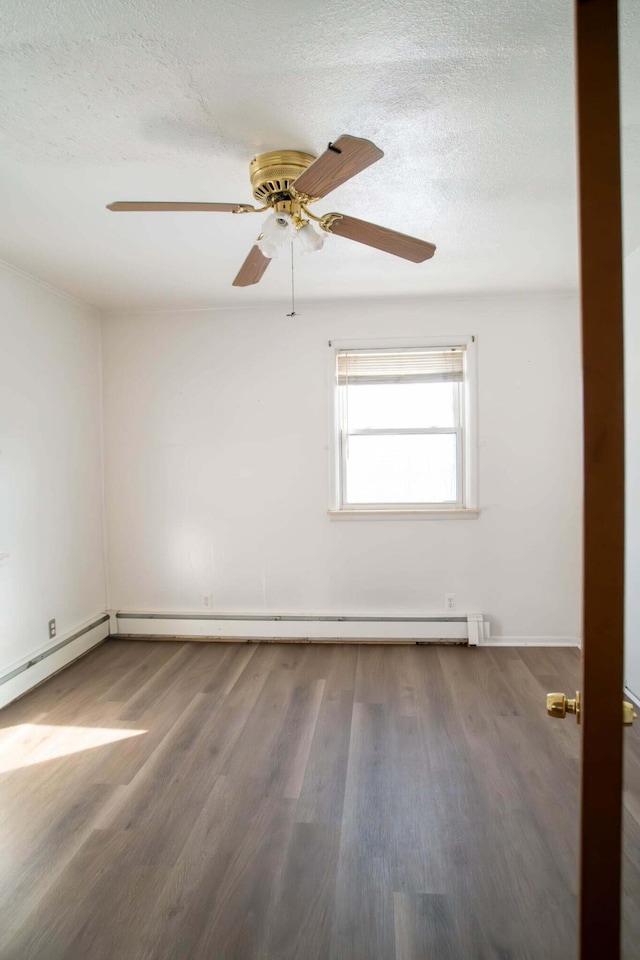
(402, 428)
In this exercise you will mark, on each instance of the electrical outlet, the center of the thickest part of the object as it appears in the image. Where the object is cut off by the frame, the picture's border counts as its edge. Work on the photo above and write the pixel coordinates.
(52, 629)
(206, 601)
(449, 601)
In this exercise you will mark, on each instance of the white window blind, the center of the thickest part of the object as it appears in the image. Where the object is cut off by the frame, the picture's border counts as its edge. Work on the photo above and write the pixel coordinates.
(364, 367)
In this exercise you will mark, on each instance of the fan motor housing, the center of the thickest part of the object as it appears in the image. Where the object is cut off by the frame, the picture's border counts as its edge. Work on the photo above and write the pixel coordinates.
(272, 174)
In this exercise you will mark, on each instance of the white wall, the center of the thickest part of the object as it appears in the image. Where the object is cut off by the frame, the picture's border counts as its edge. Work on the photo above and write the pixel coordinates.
(632, 440)
(216, 434)
(51, 502)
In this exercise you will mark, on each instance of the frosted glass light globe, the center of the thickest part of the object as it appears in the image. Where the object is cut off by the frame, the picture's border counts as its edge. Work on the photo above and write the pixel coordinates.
(310, 239)
(278, 232)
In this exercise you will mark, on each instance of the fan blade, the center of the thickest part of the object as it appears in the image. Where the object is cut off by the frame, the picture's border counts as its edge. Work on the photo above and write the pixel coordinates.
(252, 269)
(340, 161)
(134, 206)
(399, 244)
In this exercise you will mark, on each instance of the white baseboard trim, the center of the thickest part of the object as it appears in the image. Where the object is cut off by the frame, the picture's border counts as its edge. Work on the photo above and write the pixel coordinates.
(632, 696)
(461, 628)
(44, 662)
(531, 642)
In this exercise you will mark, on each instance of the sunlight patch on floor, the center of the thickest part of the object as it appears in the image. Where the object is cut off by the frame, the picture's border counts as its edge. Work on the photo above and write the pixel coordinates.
(31, 743)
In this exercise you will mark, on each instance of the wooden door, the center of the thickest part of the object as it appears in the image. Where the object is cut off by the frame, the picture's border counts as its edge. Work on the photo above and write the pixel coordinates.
(602, 347)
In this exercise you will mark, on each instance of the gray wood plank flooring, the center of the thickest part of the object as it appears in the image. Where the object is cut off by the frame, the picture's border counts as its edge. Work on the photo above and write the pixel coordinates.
(191, 801)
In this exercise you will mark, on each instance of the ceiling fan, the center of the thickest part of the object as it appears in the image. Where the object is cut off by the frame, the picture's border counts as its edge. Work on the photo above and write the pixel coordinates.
(286, 182)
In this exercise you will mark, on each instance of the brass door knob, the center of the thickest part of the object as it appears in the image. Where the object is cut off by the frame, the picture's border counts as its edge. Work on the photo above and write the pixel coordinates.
(558, 705)
(628, 713)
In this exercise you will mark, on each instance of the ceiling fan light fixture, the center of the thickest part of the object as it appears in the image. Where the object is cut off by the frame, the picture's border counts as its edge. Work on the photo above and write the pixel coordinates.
(287, 182)
(278, 233)
(310, 240)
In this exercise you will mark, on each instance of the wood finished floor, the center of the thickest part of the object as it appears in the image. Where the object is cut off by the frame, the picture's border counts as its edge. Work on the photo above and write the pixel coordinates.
(242, 802)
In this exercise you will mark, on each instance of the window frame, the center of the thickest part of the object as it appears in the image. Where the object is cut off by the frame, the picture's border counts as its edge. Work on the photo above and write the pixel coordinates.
(466, 505)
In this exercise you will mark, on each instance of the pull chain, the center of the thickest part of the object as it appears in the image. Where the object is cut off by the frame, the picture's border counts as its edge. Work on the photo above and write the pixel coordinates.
(293, 292)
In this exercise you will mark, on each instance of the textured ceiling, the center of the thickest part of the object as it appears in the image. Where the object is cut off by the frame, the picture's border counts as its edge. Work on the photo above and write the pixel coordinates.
(156, 99)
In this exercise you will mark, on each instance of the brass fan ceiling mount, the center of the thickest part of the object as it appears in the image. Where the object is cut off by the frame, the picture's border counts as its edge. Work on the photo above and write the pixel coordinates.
(286, 182)
(273, 174)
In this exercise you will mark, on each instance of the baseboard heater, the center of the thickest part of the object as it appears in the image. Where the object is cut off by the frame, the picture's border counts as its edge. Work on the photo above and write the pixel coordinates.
(46, 661)
(468, 628)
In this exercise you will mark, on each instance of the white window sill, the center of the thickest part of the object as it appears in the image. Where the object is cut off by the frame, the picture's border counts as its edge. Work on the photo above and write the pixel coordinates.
(465, 513)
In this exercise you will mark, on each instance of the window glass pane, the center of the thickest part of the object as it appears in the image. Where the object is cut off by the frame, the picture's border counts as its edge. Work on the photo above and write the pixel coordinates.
(401, 469)
(401, 405)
